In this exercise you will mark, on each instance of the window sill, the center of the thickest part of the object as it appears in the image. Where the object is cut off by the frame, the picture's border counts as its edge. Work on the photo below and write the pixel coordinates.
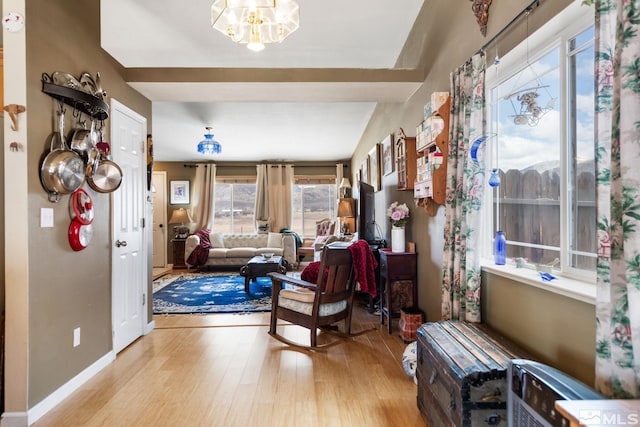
(571, 288)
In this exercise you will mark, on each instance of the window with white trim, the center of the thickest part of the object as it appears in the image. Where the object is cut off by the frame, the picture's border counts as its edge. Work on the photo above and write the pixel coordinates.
(313, 198)
(235, 200)
(540, 98)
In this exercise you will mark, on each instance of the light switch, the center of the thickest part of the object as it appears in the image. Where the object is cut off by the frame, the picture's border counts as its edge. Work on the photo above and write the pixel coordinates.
(46, 217)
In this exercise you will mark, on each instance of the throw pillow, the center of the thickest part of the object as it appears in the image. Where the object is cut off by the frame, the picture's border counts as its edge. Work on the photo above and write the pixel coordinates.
(217, 240)
(311, 271)
(274, 240)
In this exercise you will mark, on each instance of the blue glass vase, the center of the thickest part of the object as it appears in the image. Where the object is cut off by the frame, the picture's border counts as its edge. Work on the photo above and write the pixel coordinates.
(500, 252)
(494, 179)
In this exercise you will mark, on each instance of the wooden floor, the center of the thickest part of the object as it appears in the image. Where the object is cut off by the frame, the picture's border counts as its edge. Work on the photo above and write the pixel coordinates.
(225, 370)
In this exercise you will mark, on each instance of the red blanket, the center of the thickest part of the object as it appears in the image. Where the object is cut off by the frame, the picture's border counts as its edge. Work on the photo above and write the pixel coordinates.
(200, 254)
(364, 265)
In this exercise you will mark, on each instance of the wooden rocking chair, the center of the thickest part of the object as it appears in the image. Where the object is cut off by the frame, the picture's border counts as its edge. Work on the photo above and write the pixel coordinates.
(316, 305)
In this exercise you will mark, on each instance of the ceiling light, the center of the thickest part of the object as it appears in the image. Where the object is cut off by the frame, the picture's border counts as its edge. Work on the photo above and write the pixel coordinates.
(209, 145)
(255, 22)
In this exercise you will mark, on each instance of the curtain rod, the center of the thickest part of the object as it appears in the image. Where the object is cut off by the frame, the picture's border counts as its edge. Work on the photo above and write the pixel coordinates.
(534, 4)
(219, 165)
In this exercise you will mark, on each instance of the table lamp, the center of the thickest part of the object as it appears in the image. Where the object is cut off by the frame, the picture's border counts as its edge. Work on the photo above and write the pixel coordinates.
(180, 216)
(345, 187)
(345, 210)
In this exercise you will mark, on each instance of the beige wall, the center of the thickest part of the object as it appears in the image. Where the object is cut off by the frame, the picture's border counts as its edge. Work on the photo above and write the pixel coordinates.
(67, 289)
(443, 38)
(549, 326)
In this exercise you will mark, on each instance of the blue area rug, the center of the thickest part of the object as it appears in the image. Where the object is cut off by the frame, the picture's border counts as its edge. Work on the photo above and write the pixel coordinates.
(197, 293)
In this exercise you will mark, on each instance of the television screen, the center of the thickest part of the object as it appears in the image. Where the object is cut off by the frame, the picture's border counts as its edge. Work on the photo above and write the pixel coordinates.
(366, 211)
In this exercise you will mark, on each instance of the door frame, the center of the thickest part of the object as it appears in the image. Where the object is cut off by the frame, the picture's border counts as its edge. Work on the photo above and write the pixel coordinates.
(162, 175)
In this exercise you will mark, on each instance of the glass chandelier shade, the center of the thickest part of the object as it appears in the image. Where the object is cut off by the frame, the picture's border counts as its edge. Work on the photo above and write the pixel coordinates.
(209, 145)
(255, 22)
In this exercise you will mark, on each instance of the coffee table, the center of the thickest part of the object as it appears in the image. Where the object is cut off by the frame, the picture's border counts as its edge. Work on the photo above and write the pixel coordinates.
(260, 267)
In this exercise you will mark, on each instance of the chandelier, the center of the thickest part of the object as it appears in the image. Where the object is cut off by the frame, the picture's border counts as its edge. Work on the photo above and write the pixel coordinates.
(209, 145)
(255, 22)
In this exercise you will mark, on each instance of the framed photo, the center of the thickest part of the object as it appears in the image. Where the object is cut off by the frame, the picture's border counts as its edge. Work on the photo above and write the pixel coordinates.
(364, 176)
(179, 193)
(374, 167)
(387, 155)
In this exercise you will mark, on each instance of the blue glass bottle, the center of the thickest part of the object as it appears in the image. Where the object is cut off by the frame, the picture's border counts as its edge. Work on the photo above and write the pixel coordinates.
(494, 179)
(500, 252)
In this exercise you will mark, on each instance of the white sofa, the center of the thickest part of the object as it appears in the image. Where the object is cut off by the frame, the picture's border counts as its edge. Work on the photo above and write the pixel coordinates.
(234, 250)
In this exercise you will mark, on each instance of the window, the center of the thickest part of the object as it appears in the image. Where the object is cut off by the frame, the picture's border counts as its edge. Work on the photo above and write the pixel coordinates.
(541, 105)
(234, 207)
(313, 199)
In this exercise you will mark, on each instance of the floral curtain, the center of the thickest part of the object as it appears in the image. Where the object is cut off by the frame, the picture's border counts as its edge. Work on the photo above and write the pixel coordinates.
(618, 197)
(202, 208)
(465, 184)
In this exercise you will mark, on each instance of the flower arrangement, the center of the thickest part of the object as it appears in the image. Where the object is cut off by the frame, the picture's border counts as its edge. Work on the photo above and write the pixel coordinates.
(398, 214)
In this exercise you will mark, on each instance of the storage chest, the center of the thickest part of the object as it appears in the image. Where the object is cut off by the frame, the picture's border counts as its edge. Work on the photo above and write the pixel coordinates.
(461, 373)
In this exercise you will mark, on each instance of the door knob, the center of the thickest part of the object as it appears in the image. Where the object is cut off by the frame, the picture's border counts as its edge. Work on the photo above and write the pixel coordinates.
(121, 243)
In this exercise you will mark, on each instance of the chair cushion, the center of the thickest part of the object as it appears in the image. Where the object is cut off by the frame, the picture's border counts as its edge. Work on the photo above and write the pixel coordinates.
(306, 308)
(298, 294)
(241, 252)
(218, 253)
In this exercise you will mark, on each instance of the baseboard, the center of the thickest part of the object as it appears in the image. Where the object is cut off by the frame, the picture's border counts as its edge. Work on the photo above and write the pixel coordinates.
(149, 327)
(14, 419)
(66, 389)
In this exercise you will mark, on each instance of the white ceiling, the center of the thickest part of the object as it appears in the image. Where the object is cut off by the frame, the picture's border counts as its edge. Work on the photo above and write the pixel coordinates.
(278, 104)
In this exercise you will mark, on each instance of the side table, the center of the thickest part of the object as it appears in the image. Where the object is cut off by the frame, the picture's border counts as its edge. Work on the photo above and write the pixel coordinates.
(398, 283)
(260, 267)
(178, 253)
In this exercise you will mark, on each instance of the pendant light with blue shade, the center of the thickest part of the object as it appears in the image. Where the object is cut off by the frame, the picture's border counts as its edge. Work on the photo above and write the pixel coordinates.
(209, 145)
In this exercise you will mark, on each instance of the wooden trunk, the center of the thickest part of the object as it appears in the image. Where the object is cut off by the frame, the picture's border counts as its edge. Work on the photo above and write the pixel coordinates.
(461, 374)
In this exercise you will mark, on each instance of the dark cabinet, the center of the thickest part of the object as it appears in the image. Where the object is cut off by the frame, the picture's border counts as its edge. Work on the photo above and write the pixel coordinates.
(398, 283)
(178, 253)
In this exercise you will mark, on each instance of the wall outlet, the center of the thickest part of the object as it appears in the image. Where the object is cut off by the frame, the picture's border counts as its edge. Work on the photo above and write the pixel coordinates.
(76, 337)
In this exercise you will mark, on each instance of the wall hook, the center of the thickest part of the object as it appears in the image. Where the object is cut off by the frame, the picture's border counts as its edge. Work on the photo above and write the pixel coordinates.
(14, 110)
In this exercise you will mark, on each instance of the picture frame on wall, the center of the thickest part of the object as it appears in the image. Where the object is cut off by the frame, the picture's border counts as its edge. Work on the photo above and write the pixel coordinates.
(179, 192)
(374, 167)
(387, 155)
(364, 176)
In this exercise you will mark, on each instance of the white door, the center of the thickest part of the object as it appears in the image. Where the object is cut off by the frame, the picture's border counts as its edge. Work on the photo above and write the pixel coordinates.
(159, 195)
(129, 260)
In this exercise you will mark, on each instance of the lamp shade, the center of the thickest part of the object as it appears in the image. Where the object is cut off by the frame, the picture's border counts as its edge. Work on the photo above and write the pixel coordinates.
(345, 208)
(209, 145)
(345, 183)
(180, 216)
